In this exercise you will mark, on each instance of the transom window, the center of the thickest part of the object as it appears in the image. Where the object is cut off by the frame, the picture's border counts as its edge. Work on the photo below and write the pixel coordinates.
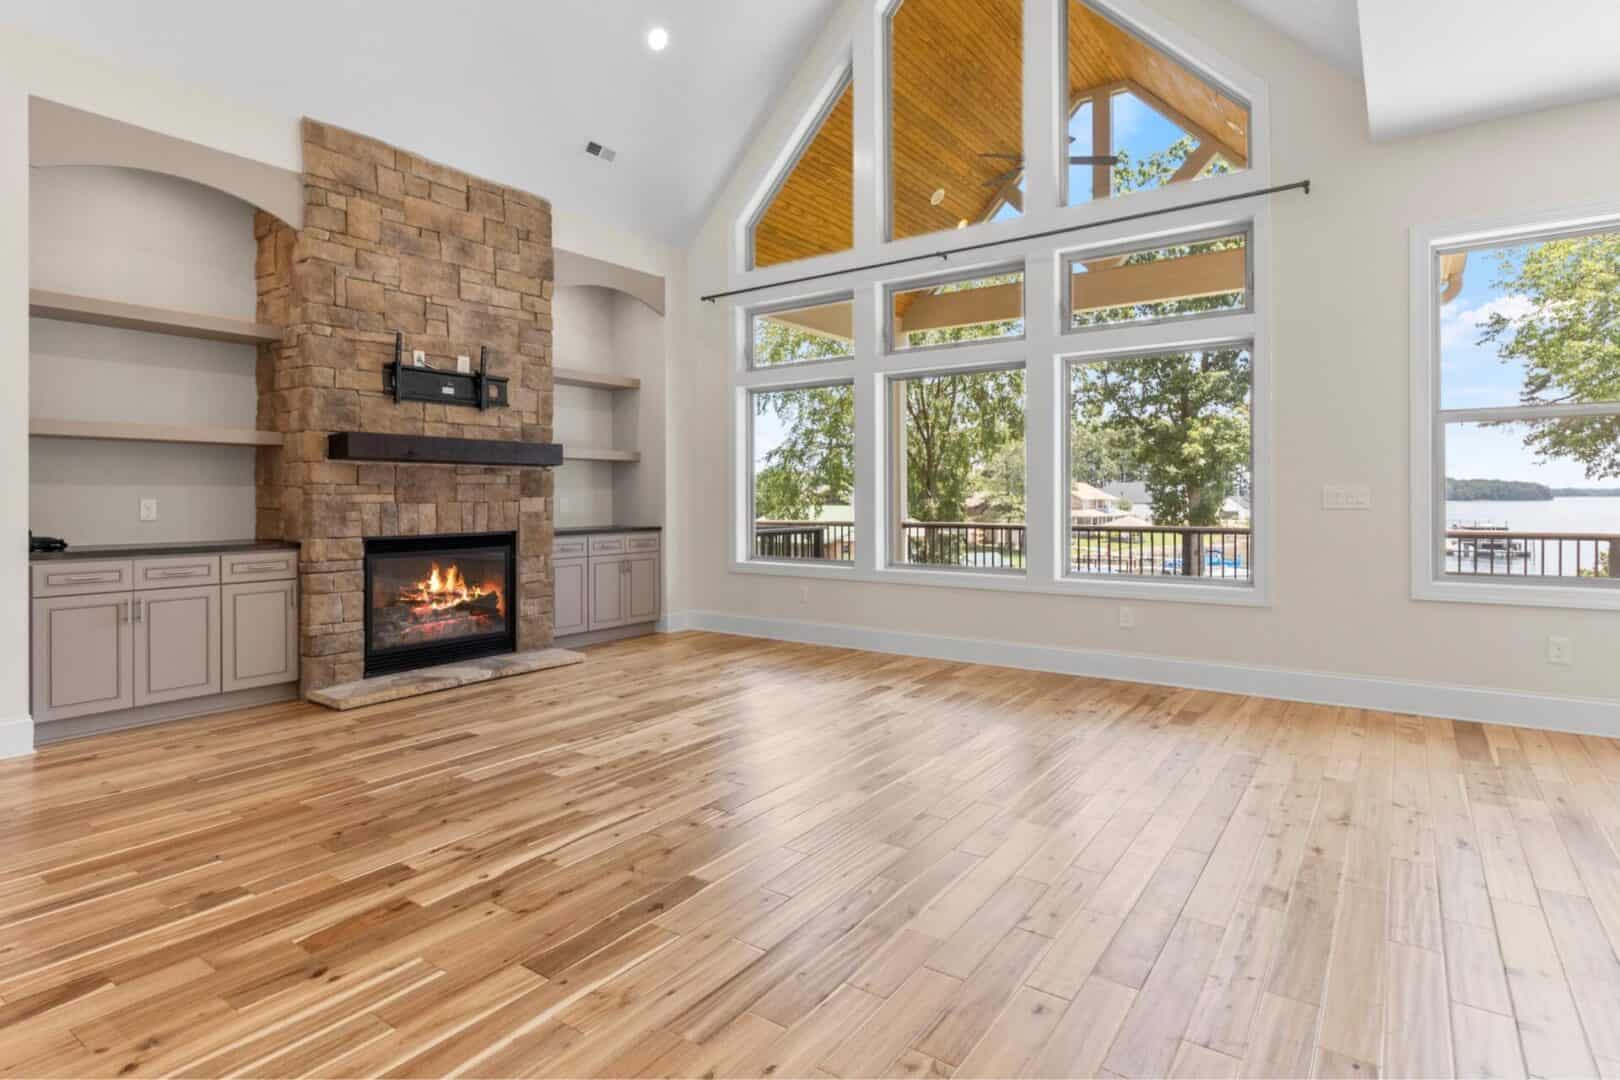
(1522, 372)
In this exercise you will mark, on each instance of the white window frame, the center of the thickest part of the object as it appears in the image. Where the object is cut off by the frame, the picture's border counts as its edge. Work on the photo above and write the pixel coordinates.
(1429, 420)
(1045, 349)
(799, 304)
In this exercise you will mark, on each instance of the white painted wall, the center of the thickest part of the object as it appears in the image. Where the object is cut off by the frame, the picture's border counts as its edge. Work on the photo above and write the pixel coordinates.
(1341, 591)
(139, 237)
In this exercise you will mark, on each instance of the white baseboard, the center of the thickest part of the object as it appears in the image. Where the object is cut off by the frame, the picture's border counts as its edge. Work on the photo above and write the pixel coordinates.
(1585, 716)
(16, 737)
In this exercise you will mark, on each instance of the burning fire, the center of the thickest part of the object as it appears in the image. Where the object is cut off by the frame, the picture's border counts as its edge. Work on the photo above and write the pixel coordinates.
(443, 590)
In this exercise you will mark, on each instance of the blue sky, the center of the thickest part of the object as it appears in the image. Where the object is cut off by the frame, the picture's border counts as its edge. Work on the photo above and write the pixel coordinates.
(1474, 375)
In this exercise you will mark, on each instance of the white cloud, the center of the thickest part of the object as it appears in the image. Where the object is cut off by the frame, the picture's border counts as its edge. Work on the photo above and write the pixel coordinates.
(1461, 326)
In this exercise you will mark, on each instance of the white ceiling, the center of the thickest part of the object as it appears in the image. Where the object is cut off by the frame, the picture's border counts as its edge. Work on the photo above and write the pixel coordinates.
(512, 91)
(1443, 63)
(509, 91)
(1327, 27)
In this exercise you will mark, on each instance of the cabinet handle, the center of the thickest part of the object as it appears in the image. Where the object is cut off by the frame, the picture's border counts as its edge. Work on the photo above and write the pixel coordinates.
(258, 568)
(190, 571)
(84, 579)
(137, 611)
(123, 611)
(292, 597)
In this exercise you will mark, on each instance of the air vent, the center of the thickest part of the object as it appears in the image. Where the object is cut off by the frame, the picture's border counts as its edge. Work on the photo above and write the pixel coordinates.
(596, 149)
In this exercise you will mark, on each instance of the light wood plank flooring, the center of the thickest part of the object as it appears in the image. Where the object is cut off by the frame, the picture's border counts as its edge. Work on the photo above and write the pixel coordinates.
(700, 855)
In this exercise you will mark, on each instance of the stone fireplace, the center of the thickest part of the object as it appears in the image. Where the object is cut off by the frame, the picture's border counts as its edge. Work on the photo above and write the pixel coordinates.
(393, 243)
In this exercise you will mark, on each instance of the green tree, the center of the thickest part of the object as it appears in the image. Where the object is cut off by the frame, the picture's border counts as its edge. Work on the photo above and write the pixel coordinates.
(1568, 338)
(1185, 418)
(814, 464)
(955, 426)
(778, 343)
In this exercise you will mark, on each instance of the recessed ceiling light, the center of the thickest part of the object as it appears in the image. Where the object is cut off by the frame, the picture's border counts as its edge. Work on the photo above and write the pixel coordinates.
(1235, 126)
(962, 224)
(937, 197)
(657, 39)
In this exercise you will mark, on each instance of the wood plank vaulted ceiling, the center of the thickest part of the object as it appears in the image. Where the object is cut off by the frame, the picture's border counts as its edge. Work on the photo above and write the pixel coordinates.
(957, 71)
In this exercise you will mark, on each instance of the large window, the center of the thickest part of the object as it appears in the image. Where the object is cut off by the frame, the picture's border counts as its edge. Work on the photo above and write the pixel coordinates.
(1061, 398)
(958, 466)
(1523, 376)
(1140, 119)
(1160, 464)
(802, 467)
(811, 210)
(956, 108)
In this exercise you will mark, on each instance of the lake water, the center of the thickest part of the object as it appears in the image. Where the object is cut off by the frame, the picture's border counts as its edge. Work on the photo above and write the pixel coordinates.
(1598, 515)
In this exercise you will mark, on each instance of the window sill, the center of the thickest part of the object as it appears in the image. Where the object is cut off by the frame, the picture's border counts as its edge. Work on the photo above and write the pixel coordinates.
(1007, 581)
(1529, 594)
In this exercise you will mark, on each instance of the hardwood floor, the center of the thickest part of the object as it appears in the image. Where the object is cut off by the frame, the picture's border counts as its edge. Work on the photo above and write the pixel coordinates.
(700, 855)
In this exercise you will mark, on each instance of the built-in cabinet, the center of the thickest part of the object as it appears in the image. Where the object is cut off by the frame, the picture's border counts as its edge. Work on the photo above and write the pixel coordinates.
(125, 633)
(605, 581)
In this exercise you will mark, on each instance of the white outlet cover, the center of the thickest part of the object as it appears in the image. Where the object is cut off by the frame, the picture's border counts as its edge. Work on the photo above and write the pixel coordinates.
(1560, 651)
(1127, 618)
(149, 510)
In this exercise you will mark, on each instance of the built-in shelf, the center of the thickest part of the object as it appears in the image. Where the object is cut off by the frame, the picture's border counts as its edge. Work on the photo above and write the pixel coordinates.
(65, 307)
(166, 433)
(579, 453)
(594, 379)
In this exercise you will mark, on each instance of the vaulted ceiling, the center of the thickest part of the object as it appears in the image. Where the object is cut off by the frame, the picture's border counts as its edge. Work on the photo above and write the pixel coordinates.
(514, 90)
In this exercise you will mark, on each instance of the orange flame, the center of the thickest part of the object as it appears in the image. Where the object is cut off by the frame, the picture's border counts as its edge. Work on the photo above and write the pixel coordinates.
(445, 589)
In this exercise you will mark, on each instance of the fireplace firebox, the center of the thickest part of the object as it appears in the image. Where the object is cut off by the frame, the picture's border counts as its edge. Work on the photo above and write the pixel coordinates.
(438, 599)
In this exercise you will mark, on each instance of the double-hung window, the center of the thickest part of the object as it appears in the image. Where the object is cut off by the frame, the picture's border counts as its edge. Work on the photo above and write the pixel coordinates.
(1516, 412)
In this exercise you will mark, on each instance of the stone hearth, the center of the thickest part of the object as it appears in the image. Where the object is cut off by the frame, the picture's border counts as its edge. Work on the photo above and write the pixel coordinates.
(392, 242)
(375, 691)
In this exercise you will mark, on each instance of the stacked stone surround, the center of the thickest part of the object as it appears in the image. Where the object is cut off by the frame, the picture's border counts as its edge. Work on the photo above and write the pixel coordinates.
(393, 242)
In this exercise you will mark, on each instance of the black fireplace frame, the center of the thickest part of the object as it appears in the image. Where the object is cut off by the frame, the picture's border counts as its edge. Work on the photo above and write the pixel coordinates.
(411, 657)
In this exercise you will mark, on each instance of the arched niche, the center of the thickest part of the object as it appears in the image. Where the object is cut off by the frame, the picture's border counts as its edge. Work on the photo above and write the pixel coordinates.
(62, 135)
(572, 268)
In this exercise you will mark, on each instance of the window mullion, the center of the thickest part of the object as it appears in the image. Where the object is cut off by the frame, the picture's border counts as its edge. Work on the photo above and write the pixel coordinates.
(870, 432)
(1045, 403)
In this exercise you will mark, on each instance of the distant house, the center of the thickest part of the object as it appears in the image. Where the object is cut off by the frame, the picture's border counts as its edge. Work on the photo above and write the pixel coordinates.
(1091, 505)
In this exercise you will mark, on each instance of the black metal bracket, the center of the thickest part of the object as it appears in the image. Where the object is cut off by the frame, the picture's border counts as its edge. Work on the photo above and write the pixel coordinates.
(479, 390)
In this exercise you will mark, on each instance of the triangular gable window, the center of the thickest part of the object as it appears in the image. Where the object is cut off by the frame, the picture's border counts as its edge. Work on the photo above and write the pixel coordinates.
(1161, 122)
(811, 211)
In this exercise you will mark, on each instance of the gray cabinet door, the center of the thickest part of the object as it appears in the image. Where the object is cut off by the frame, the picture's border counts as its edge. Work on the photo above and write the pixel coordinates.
(83, 656)
(607, 581)
(260, 644)
(177, 638)
(641, 589)
(569, 589)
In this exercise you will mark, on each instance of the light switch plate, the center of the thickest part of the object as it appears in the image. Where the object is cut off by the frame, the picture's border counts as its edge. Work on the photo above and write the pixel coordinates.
(1560, 651)
(1346, 497)
(149, 510)
(1127, 618)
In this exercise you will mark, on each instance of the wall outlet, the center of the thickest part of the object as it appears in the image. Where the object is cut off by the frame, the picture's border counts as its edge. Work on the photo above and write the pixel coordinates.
(148, 509)
(464, 364)
(419, 357)
(1346, 497)
(804, 594)
(1127, 618)
(1560, 651)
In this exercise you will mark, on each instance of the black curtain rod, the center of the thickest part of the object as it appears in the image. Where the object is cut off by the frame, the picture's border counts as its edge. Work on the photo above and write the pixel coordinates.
(1298, 185)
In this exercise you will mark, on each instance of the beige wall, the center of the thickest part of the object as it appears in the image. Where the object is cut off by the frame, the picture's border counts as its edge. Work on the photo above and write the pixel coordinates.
(1341, 589)
(139, 237)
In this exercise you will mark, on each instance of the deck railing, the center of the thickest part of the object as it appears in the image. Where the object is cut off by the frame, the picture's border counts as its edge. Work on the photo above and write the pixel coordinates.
(1142, 550)
(1503, 553)
(964, 543)
(1208, 551)
(826, 540)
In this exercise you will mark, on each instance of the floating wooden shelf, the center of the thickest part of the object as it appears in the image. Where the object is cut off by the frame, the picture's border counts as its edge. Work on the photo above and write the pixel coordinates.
(595, 380)
(578, 453)
(167, 433)
(66, 307)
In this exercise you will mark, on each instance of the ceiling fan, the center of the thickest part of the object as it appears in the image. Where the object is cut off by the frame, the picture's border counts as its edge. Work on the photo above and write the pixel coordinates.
(1018, 165)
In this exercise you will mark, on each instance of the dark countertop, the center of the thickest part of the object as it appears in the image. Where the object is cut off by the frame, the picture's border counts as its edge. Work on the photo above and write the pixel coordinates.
(579, 530)
(142, 551)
